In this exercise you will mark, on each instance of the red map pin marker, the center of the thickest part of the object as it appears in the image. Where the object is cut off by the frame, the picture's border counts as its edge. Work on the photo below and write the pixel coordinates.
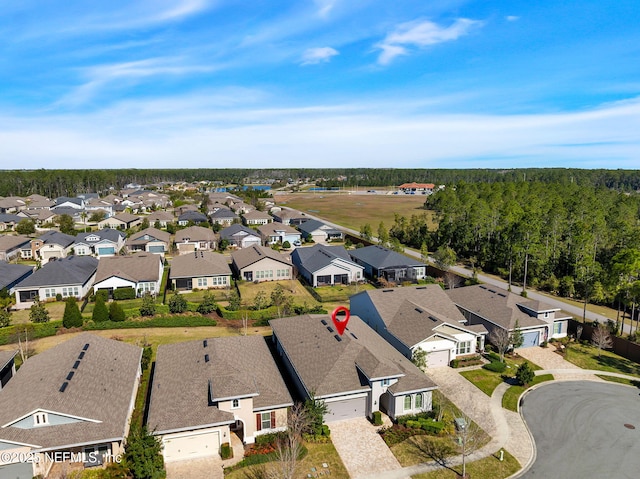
(340, 322)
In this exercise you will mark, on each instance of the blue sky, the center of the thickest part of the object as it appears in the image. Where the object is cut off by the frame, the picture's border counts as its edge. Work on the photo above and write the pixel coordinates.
(319, 83)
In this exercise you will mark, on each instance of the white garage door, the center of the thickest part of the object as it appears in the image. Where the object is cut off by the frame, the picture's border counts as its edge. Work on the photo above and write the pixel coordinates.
(189, 447)
(438, 359)
(530, 339)
(346, 409)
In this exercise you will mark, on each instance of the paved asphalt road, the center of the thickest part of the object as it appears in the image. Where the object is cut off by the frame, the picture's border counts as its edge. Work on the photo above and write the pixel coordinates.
(573, 310)
(579, 430)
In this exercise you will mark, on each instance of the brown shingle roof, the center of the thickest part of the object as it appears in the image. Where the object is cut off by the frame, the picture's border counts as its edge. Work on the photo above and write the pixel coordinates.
(101, 389)
(247, 256)
(199, 263)
(328, 366)
(6, 356)
(139, 267)
(496, 305)
(195, 233)
(139, 238)
(239, 366)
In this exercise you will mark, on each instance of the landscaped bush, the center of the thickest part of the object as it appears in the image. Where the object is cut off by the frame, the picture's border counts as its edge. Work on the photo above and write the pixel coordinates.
(494, 356)
(156, 322)
(267, 313)
(116, 313)
(377, 418)
(430, 426)
(402, 420)
(124, 293)
(466, 361)
(495, 366)
(396, 434)
(35, 330)
(146, 358)
(225, 451)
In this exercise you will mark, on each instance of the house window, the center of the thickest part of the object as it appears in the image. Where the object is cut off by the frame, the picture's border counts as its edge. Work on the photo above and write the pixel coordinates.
(49, 293)
(386, 382)
(546, 315)
(219, 280)
(407, 403)
(235, 404)
(202, 282)
(557, 328)
(265, 420)
(40, 419)
(463, 347)
(418, 401)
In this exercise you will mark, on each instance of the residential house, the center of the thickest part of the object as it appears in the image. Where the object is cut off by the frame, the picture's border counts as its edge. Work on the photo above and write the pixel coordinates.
(200, 269)
(66, 202)
(423, 318)
(11, 245)
(256, 218)
(195, 238)
(150, 240)
(192, 217)
(121, 221)
(68, 407)
(494, 308)
(289, 217)
(71, 276)
(242, 208)
(380, 262)
(51, 245)
(413, 188)
(278, 233)
(76, 214)
(260, 263)
(355, 374)
(12, 204)
(204, 391)
(8, 221)
(239, 236)
(96, 205)
(160, 218)
(322, 265)
(12, 274)
(320, 232)
(101, 243)
(41, 217)
(7, 368)
(224, 216)
(39, 203)
(142, 272)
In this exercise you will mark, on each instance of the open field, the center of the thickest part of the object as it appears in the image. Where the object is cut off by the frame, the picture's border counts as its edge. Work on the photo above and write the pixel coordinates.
(353, 211)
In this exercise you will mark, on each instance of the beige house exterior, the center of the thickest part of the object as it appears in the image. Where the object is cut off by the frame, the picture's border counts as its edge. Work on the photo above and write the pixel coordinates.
(200, 270)
(259, 263)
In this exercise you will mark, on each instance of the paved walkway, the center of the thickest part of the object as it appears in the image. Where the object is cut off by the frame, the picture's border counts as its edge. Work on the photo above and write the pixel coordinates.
(361, 448)
(204, 468)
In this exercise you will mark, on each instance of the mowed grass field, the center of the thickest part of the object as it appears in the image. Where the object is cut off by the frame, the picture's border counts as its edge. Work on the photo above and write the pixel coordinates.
(353, 211)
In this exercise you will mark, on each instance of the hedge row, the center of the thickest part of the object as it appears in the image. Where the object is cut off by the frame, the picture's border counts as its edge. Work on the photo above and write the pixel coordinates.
(261, 314)
(36, 330)
(155, 322)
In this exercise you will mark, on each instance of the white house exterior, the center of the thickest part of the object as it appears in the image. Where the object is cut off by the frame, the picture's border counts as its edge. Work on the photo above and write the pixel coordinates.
(142, 272)
(278, 233)
(102, 243)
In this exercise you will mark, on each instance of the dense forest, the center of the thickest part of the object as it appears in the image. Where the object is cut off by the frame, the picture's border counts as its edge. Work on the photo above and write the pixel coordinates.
(578, 241)
(53, 183)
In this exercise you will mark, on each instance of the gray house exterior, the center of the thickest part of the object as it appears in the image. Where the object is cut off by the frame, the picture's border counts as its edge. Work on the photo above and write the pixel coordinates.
(380, 262)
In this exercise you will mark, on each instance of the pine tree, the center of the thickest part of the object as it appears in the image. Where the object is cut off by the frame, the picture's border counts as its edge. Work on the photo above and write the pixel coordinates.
(72, 317)
(116, 313)
(100, 311)
(143, 454)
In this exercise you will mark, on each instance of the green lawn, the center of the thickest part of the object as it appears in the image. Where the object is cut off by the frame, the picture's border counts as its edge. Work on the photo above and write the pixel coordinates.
(512, 395)
(248, 291)
(628, 382)
(317, 455)
(55, 308)
(488, 381)
(197, 296)
(488, 468)
(587, 357)
(340, 293)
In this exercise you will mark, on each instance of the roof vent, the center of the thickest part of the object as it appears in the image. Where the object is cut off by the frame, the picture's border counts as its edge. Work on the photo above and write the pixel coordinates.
(483, 287)
(387, 290)
(204, 343)
(330, 329)
(81, 355)
(206, 358)
(421, 287)
(69, 376)
(76, 364)
(419, 310)
(86, 346)
(323, 322)
(338, 338)
(492, 291)
(64, 386)
(502, 294)
(354, 336)
(434, 319)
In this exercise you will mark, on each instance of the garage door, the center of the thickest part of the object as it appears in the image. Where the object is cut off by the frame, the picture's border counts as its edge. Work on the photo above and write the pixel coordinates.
(21, 470)
(438, 359)
(530, 339)
(190, 447)
(346, 409)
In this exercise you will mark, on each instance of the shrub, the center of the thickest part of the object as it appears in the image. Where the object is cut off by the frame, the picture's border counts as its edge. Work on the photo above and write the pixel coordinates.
(525, 374)
(208, 304)
(146, 358)
(225, 451)
(377, 418)
(494, 356)
(116, 313)
(155, 322)
(124, 293)
(100, 310)
(58, 297)
(148, 306)
(5, 318)
(286, 245)
(38, 313)
(102, 293)
(72, 317)
(177, 303)
(495, 366)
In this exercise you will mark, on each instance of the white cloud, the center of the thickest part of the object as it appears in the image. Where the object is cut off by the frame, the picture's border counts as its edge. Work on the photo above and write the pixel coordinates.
(512, 18)
(325, 6)
(312, 56)
(421, 34)
(235, 129)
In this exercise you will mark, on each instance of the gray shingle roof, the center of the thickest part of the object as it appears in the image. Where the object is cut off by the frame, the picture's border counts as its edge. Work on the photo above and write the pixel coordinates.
(239, 366)
(328, 366)
(6, 356)
(412, 314)
(310, 226)
(10, 273)
(101, 389)
(105, 234)
(229, 232)
(199, 263)
(152, 234)
(380, 257)
(194, 216)
(319, 256)
(223, 213)
(273, 228)
(139, 267)
(497, 305)
(247, 256)
(72, 270)
(55, 237)
(9, 218)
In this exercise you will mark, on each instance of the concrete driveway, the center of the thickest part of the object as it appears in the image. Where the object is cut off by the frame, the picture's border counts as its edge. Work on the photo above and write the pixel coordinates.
(584, 430)
(361, 448)
(204, 468)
